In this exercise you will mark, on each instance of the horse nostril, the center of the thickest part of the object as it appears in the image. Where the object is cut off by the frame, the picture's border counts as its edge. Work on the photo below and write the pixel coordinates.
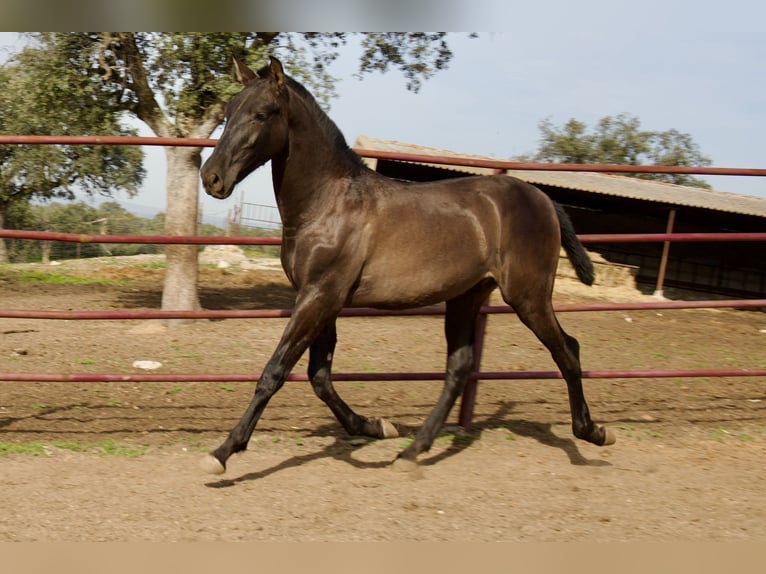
(213, 183)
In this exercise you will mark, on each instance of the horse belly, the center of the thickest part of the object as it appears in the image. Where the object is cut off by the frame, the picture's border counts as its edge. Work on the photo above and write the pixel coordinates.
(387, 294)
(428, 243)
(412, 277)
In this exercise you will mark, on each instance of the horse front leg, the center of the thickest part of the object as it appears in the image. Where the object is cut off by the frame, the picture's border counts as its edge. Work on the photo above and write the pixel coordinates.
(320, 375)
(308, 319)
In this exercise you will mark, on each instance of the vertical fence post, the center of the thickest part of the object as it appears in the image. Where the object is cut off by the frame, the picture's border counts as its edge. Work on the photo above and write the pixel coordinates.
(664, 260)
(468, 400)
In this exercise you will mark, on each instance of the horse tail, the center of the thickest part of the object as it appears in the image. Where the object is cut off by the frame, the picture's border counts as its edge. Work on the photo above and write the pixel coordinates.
(576, 253)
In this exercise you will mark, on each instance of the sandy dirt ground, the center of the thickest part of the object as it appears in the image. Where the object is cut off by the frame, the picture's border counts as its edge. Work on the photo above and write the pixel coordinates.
(120, 461)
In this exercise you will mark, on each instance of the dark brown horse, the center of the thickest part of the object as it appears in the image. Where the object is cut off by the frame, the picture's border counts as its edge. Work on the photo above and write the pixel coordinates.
(352, 237)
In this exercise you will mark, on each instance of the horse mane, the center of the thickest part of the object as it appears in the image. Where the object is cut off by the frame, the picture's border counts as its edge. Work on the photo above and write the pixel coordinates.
(327, 126)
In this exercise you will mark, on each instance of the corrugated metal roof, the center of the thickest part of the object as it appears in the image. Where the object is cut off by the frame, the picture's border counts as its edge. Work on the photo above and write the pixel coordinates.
(366, 142)
(601, 183)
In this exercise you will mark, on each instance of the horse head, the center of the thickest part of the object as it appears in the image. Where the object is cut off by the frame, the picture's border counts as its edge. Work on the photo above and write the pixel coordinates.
(256, 129)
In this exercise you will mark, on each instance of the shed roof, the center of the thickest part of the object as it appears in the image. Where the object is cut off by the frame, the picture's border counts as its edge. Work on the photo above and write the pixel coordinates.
(599, 183)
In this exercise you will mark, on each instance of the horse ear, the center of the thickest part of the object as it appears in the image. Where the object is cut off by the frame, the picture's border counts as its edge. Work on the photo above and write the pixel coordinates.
(244, 74)
(277, 72)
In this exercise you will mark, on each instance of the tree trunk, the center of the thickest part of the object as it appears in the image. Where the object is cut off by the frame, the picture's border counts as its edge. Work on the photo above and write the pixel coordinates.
(181, 272)
(3, 249)
(45, 252)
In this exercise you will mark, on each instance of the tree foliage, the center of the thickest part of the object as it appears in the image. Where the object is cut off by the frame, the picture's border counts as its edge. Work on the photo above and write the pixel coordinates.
(40, 95)
(620, 140)
(418, 55)
(80, 217)
(179, 83)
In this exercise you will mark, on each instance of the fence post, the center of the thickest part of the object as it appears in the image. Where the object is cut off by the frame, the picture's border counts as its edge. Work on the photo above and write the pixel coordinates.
(664, 260)
(468, 400)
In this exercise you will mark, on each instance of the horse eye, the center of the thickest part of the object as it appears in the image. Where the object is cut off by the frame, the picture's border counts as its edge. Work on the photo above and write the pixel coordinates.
(261, 116)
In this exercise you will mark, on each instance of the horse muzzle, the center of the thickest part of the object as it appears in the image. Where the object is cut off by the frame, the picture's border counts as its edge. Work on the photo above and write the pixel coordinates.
(214, 184)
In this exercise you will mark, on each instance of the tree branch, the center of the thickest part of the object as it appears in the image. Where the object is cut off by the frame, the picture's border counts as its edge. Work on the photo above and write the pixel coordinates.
(147, 108)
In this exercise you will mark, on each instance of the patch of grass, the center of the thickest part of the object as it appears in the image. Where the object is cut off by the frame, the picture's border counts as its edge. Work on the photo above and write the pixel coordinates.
(721, 435)
(30, 276)
(175, 390)
(87, 362)
(227, 388)
(30, 449)
(627, 429)
(457, 438)
(109, 448)
(718, 434)
(638, 433)
(102, 448)
(151, 265)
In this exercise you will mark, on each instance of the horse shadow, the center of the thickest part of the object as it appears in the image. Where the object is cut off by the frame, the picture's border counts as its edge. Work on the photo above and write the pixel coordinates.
(342, 450)
(541, 432)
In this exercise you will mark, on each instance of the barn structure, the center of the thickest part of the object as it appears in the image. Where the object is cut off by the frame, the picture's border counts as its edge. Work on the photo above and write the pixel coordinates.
(603, 203)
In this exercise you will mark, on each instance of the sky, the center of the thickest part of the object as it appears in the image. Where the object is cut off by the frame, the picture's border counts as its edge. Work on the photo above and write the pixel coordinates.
(697, 67)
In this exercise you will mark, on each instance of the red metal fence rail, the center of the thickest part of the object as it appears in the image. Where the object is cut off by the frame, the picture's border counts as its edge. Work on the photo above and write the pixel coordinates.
(467, 405)
(396, 156)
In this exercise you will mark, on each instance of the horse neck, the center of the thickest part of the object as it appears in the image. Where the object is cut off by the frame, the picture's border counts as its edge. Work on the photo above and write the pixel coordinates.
(310, 169)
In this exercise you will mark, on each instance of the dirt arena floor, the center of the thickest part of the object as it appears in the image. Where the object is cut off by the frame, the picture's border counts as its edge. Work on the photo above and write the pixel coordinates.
(120, 461)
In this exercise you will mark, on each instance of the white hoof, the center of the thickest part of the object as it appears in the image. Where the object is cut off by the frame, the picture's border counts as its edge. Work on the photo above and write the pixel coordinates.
(212, 465)
(609, 437)
(388, 430)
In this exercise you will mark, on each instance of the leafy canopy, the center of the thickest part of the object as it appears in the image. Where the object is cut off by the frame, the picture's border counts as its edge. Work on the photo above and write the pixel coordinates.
(620, 140)
(40, 96)
(178, 83)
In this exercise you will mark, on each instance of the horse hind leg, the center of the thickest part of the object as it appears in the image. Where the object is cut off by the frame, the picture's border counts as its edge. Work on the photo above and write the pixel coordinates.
(320, 375)
(538, 316)
(460, 331)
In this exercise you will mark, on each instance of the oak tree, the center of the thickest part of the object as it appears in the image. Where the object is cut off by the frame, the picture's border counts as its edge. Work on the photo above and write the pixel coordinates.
(32, 102)
(179, 83)
(620, 140)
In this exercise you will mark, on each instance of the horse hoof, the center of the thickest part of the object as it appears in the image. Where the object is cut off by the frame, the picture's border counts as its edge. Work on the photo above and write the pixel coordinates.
(387, 430)
(609, 437)
(212, 465)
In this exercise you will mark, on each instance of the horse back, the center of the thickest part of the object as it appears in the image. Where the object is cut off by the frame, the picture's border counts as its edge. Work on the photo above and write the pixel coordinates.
(428, 242)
